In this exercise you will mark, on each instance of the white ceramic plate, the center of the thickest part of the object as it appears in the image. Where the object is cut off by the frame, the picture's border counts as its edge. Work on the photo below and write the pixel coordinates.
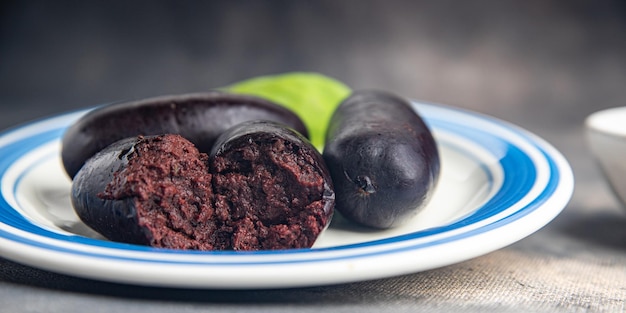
(499, 184)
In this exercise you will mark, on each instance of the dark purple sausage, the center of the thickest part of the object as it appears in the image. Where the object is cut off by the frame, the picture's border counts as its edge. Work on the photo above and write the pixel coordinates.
(200, 118)
(273, 184)
(264, 187)
(115, 219)
(382, 158)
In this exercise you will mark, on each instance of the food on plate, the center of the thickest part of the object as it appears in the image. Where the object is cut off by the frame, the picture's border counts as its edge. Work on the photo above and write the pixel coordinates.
(263, 186)
(273, 183)
(382, 158)
(148, 191)
(234, 170)
(200, 118)
(312, 96)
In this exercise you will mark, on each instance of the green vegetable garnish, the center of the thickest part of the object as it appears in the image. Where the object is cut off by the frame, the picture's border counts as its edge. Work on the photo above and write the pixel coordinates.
(312, 96)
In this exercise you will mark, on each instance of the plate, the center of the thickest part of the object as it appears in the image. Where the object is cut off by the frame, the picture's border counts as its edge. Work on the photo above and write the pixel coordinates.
(499, 184)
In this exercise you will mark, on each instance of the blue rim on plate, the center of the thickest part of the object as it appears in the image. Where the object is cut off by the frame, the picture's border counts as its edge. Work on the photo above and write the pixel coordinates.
(534, 185)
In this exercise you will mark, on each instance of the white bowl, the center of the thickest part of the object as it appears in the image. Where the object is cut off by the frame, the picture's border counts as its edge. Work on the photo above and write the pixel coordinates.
(606, 138)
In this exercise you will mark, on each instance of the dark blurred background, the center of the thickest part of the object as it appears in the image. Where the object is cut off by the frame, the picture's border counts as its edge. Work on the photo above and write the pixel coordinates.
(511, 59)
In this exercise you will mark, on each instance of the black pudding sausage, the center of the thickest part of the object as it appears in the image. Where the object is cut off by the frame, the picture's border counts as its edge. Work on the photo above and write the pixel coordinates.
(115, 220)
(263, 187)
(382, 158)
(274, 184)
(198, 117)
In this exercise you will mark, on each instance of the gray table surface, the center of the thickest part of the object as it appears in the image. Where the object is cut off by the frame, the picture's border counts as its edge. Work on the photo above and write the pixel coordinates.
(543, 65)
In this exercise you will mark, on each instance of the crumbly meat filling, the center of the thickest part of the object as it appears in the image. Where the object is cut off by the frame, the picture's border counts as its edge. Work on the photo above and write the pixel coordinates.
(170, 184)
(269, 195)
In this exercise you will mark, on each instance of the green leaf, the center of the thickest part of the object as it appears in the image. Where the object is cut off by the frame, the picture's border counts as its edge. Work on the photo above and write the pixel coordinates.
(312, 96)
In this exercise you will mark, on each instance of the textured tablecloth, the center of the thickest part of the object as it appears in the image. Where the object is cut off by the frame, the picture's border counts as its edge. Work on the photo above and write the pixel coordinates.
(543, 65)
